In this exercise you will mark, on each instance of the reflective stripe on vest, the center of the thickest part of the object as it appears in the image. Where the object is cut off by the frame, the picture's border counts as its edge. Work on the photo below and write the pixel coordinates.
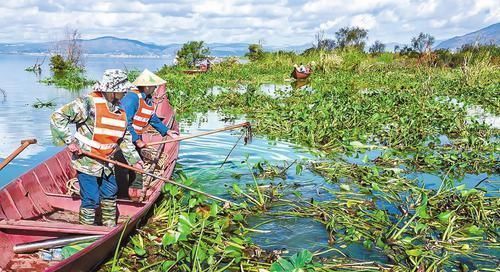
(143, 115)
(109, 128)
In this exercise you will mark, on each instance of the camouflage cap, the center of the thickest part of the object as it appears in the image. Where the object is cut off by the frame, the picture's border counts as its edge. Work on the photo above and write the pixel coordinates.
(114, 81)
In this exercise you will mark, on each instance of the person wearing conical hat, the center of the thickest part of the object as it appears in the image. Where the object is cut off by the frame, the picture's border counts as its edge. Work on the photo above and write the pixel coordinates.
(138, 105)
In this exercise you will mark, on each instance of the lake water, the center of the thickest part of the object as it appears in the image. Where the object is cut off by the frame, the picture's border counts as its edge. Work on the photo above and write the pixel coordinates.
(200, 158)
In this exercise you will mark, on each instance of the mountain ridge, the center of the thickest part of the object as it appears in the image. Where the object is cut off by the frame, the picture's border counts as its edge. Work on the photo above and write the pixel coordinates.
(115, 46)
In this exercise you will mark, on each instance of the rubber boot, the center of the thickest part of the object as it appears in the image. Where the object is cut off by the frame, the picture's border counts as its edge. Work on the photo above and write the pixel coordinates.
(87, 216)
(108, 210)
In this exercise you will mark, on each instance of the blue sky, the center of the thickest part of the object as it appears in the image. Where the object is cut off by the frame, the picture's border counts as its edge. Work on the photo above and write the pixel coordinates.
(274, 22)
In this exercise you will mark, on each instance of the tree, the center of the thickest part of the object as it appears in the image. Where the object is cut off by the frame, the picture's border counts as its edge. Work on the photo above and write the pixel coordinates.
(70, 48)
(323, 43)
(351, 37)
(58, 65)
(192, 52)
(377, 48)
(67, 53)
(423, 42)
(255, 52)
(397, 48)
(408, 51)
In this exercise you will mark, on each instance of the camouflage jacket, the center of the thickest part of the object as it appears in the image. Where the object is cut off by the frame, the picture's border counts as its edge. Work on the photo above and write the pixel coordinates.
(81, 112)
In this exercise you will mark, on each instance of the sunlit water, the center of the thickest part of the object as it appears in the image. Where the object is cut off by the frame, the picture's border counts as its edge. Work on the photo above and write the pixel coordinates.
(200, 158)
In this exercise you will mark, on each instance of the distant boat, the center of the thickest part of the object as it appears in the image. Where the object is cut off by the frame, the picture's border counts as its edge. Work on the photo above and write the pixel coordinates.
(37, 208)
(204, 66)
(301, 75)
(203, 69)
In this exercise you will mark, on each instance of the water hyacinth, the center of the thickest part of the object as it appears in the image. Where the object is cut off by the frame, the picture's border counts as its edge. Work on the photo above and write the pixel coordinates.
(374, 121)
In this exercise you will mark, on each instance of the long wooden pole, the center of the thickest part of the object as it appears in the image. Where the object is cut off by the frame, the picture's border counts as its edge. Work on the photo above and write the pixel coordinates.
(24, 144)
(97, 157)
(246, 124)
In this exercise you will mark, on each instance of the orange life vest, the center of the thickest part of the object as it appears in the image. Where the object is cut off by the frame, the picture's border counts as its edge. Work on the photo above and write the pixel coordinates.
(143, 114)
(109, 128)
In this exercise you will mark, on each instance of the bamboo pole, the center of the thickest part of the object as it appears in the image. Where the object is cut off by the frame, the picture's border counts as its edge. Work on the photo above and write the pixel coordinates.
(24, 144)
(88, 154)
(246, 124)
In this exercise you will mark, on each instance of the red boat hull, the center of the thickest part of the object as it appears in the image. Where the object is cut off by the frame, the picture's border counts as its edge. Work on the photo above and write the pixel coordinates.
(301, 75)
(35, 207)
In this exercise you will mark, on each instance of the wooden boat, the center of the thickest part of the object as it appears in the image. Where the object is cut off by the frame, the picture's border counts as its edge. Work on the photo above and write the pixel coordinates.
(203, 69)
(301, 75)
(37, 207)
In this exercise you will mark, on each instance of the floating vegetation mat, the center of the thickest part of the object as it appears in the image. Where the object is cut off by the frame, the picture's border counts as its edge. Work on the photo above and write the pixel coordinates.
(373, 121)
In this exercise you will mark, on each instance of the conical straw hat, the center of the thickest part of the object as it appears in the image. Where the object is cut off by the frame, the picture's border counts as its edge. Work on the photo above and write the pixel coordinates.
(147, 78)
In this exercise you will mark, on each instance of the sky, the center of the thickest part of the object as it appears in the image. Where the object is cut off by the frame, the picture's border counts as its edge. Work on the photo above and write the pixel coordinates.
(272, 22)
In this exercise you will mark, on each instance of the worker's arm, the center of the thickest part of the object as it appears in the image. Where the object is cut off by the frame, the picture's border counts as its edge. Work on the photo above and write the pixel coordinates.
(156, 123)
(74, 112)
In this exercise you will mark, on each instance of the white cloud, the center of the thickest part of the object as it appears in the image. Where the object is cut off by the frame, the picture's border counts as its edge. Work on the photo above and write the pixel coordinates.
(364, 20)
(330, 23)
(278, 22)
(438, 23)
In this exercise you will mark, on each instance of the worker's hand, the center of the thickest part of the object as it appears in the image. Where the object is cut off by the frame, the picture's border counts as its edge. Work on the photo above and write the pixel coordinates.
(139, 165)
(140, 144)
(173, 134)
(74, 148)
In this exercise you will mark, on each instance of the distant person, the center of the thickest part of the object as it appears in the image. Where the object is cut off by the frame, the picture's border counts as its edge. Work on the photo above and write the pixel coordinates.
(302, 68)
(138, 105)
(101, 128)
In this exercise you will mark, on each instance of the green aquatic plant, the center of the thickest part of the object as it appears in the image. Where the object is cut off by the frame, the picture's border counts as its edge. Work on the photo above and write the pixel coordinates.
(71, 78)
(388, 113)
(44, 104)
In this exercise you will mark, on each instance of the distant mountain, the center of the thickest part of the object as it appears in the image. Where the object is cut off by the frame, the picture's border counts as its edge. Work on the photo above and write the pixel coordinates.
(113, 46)
(487, 35)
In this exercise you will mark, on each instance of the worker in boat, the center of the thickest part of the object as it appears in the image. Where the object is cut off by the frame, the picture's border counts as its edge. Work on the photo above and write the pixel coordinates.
(101, 127)
(139, 107)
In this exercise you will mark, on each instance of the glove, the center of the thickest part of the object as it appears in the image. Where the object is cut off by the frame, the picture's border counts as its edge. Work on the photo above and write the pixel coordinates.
(140, 144)
(74, 148)
(173, 134)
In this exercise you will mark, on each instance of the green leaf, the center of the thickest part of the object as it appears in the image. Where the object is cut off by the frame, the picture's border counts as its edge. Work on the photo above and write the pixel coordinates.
(238, 217)
(276, 267)
(304, 257)
(445, 216)
(414, 252)
(237, 189)
(465, 193)
(139, 251)
(192, 202)
(422, 212)
(286, 265)
(375, 186)
(171, 237)
(345, 187)
(365, 158)
(298, 169)
(166, 265)
(475, 230)
(214, 209)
